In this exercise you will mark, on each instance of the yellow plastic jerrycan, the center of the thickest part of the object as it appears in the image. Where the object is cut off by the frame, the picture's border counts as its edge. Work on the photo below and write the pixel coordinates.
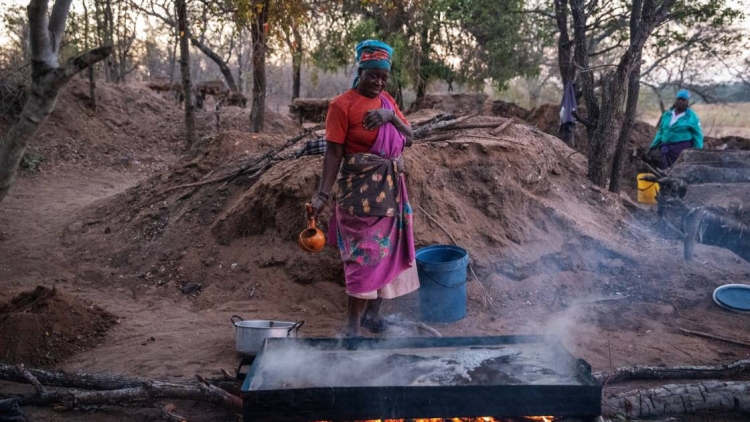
(647, 190)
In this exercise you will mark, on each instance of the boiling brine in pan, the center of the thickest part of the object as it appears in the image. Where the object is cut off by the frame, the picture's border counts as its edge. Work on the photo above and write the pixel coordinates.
(519, 364)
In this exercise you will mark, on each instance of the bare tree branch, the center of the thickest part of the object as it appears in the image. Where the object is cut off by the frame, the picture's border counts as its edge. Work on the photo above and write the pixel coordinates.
(57, 22)
(40, 42)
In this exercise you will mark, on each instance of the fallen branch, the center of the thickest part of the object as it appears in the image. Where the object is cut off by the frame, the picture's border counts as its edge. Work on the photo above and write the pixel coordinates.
(498, 130)
(711, 336)
(256, 171)
(40, 390)
(438, 138)
(429, 128)
(493, 138)
(674, 399)
(444, 125)
(259, 165)
(113, 390)
(485, 294)
(479, 125)
(638, 372)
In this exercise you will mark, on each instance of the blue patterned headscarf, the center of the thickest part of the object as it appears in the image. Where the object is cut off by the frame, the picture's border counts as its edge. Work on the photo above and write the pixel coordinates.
(372, 54)
(684, 94)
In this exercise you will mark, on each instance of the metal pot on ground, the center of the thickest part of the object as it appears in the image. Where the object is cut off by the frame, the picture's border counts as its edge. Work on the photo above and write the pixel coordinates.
(250, 334)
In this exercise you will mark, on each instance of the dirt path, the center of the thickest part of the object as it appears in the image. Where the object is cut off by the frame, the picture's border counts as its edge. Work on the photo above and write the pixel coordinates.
(32, 219)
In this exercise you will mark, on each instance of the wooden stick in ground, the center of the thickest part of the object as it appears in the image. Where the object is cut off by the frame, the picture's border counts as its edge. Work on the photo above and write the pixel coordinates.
(639, 372)
(40, 390)
(167, 413)
(711, 336)
(485, 294)
(412, 325)
(498, 130)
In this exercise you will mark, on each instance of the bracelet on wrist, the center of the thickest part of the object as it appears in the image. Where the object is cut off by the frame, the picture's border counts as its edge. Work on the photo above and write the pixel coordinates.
(323, 195)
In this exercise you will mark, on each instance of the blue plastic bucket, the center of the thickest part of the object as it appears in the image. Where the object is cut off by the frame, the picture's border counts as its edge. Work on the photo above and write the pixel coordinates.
(442, 279)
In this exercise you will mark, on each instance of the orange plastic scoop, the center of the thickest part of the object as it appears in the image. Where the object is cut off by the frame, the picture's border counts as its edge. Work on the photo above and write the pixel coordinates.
(311, 239)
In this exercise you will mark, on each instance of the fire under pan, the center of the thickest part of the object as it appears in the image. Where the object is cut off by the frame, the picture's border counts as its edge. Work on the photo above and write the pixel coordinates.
(297, 379)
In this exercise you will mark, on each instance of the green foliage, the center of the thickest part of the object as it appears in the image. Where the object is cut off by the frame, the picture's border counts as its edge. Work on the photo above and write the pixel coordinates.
(502, 35)
(469, 41)
(31, 161)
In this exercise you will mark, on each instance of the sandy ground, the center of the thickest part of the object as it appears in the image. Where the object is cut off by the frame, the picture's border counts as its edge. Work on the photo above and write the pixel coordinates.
(50, 236)
(190, 341)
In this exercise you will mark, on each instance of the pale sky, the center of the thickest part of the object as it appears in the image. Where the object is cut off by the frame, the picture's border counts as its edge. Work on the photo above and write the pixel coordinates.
(4, 38)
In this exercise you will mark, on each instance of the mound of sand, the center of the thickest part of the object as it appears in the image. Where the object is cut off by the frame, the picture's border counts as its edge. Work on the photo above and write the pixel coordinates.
(458, 104)
(132, 128)
(44, 326)
(507, 110)
(518, 203)
(238, 119)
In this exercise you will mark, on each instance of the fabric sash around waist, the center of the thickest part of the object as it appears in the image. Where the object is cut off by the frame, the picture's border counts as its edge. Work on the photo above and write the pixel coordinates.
(369, 185)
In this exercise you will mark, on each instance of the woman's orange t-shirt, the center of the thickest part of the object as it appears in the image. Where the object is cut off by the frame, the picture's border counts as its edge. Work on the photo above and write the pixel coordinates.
(344, 122)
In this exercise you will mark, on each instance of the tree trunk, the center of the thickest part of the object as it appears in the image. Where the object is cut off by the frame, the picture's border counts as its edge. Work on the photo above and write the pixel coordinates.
(634, 89)
(564, 58)
(47, 79)
(296, 62)
(240, 63)
(424, 47)
(581, 58)
(607, 128)
(223, 66)
(109, 25)
(258, 32)
(187, 88)
(92, 81)
(173, 59)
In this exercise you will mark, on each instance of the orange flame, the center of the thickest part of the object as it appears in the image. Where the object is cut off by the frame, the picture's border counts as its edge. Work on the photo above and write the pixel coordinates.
(479, 419)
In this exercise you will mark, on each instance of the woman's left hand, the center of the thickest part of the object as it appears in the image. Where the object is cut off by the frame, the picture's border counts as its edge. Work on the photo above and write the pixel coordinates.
(376, 118)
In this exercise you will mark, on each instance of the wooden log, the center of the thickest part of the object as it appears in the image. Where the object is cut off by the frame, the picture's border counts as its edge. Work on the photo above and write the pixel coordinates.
(68, 380)
(112, 389)
(153, 390)
(639, 372)
(498, 130)
(677, 399)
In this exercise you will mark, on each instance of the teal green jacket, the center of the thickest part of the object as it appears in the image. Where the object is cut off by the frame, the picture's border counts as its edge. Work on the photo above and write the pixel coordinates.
(686, 128)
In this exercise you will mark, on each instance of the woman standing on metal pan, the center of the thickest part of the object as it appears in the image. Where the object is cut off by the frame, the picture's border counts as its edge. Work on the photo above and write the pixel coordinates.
(372, 219)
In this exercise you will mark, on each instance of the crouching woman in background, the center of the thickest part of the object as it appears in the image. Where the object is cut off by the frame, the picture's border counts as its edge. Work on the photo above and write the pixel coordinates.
(677, 130)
